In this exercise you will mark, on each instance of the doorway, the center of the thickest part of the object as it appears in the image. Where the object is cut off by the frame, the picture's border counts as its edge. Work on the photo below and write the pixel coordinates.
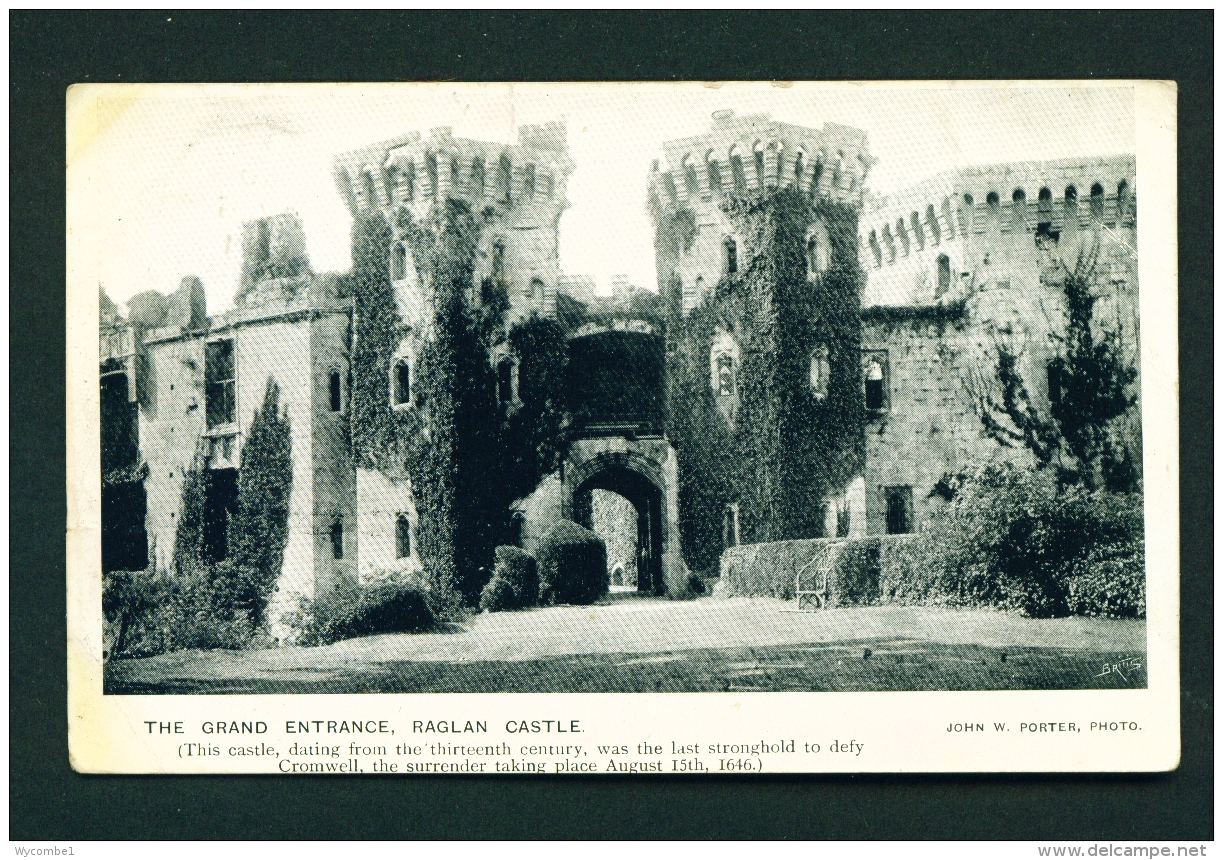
(625, 509)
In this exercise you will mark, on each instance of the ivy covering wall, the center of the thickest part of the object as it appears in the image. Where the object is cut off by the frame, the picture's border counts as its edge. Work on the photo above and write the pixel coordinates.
(788, 448)
(467, 455)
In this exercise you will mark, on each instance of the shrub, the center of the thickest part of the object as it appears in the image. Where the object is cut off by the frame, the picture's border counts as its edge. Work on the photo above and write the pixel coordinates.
(572, 565)
(905, 576)
(154, 613)
(770, 569)
(515, 582)
(388, 606)
(766, 569)
(1011, 539)
(1110, 581)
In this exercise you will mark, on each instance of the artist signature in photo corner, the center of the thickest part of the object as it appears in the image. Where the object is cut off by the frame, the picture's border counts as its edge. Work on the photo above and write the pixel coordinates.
(1128, 669)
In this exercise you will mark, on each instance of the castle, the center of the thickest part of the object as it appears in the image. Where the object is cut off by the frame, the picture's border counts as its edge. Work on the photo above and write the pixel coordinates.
(809, 366)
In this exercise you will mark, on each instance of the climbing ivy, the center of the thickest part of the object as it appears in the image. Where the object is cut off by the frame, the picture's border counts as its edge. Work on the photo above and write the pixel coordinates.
(467, 456)
(788, 448)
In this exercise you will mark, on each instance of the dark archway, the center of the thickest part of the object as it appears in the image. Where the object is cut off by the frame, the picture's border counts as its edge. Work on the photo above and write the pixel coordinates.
(647, 499)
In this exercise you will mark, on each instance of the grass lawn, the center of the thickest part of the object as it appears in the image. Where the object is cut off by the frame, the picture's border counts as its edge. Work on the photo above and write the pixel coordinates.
(637, 644)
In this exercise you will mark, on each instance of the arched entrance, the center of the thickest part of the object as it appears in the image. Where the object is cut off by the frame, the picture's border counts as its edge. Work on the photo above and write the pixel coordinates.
(647, 500)
(642, 471)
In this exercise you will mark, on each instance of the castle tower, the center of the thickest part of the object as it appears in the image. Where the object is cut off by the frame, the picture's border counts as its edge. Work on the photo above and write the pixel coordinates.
(742, 156)
(522, 188)
(517, 195)
(756, 248)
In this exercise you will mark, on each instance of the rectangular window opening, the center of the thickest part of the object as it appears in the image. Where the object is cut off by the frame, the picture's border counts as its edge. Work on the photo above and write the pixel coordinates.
(219, 382)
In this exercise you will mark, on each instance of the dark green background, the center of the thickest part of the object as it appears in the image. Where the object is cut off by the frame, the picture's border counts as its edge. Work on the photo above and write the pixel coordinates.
(50, 51)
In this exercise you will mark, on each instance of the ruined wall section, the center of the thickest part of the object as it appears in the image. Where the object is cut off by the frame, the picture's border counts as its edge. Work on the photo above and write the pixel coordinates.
(334, 478)
(172, 414)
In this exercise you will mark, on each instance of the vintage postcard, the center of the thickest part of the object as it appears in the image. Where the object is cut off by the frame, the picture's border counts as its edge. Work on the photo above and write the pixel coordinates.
(622, 428)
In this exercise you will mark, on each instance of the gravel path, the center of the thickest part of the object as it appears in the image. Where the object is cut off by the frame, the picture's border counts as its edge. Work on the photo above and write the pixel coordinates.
(630, 635)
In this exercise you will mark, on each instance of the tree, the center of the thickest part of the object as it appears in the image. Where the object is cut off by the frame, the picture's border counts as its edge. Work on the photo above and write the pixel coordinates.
(259, 527)
(1090, 382)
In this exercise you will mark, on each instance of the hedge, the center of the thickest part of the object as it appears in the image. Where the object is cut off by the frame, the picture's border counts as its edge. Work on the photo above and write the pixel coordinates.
(861, 567)
(388, 606)
(572, 565)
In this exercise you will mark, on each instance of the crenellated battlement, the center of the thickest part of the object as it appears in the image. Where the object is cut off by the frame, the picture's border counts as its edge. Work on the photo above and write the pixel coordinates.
(1020, 197)
(413, 172)
(752, 153)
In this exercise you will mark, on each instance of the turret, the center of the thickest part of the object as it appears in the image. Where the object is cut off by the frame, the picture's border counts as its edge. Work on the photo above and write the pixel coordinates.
(522, 186)
(738, 157)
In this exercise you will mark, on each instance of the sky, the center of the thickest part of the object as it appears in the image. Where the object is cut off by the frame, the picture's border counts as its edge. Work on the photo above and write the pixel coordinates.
(161, 177)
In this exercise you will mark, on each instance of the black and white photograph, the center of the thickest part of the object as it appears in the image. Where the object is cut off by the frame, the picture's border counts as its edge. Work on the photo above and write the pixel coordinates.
(615, 389)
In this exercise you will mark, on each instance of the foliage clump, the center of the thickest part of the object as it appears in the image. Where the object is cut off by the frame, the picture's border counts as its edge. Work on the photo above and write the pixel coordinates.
(1012, 538)
(467, 455)
(207, 604)
(515, 582)
(572, 565)
(387, 605)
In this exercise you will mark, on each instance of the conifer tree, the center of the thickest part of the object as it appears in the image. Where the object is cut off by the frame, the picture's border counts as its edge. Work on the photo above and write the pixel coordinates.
(259, 527)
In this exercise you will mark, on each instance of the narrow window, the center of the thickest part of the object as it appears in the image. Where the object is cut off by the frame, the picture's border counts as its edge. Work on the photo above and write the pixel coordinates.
(504, 172)
(1054, 380)
(944, 275)
(334, 391)
(1019, 211)
(876, 400)
(899, 510)
(477, 176)
(537, 292)
(528, 182)
(337, 538)
(1044, 216)
(936, 232)
(456, 177)
(818, 372)
(403, 383)
(399, 261)
(518, 528)
(505, 380)
(403, 536)
(732, 255)
(219, 382)
(800, 164)
(889, 242)
(903, 234)
(919, 235)
(1097, 202)
(726, 376)
(758, 157)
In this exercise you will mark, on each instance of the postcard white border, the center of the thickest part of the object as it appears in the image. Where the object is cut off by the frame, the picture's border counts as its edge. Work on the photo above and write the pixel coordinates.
(900, 731)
